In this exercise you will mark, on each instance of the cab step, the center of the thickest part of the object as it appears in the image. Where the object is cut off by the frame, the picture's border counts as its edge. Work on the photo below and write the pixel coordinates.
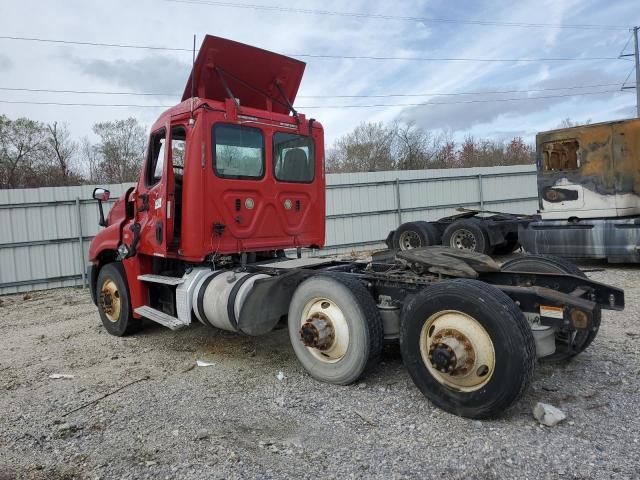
(161, 279)
(160, 317)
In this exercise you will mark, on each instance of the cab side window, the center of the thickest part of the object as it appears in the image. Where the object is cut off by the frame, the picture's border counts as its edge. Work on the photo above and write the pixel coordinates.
(155, 158)
(178, 145)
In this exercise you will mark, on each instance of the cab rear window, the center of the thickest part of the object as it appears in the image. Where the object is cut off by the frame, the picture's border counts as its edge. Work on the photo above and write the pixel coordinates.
(293, 158)
(239, 152)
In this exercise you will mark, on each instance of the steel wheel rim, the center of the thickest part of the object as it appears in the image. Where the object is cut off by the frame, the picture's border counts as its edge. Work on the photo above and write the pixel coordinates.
(110, 301)
(456, 331)
(327, 310)
(463, 239)
(409, 239)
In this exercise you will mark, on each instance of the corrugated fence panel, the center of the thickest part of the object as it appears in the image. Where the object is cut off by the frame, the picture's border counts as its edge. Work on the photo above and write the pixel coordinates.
(40, 227)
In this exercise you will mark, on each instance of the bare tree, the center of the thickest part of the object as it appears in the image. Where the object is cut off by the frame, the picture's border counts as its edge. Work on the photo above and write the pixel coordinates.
(120, 151)
(89, 160)
(367, 149)
(21, 148)
(517, 152)
(568, 123)
(413, 147)
(59, 154)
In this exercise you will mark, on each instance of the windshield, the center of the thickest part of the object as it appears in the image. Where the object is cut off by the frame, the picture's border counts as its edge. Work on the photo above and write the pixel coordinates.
(293, 158)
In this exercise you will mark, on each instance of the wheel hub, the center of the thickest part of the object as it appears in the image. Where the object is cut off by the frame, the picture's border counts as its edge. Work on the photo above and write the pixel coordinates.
(442, 357)
(317, 332)
(110, 300)
(457, 350)
(463, 239)
(409, 240)
(324, 330)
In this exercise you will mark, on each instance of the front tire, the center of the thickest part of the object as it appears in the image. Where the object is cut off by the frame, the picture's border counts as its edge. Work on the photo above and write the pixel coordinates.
(335, 328)
(114, 304)
(467, 347)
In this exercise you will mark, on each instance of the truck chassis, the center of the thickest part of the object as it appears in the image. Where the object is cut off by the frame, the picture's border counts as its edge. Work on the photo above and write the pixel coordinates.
(234, 175)
(469, 329)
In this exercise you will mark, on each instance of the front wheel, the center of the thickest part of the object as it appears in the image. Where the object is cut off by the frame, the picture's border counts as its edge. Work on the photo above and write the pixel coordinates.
(467, 347)
(335, 328)
(113, 301)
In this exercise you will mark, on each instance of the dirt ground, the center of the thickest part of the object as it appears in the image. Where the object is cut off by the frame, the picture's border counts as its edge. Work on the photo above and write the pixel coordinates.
(242, 418)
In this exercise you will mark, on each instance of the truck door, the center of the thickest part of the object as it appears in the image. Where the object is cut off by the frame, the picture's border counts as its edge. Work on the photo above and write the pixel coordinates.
(174, 175)
(152, 200)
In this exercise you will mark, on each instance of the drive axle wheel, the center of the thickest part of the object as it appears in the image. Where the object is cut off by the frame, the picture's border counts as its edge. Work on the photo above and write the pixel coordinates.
(457, 350)
(335, 328)
(467, 347)
(113, 301)
(415, 235)
(467, 234)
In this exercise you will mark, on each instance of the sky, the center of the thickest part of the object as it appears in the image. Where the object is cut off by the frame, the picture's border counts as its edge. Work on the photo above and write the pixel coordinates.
(167, 23)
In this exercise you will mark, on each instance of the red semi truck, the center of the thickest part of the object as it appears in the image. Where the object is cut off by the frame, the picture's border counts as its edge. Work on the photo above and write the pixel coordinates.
(234, 176)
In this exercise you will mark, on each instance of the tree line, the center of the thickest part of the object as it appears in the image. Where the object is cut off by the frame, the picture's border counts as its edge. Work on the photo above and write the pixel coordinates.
(37, 154)
(372, 147)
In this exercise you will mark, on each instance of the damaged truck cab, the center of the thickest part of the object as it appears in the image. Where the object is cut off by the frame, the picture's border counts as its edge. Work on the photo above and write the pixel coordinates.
(589, 193)
(233, 177)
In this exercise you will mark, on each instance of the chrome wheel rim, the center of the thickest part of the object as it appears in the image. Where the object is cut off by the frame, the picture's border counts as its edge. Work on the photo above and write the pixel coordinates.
(457, 350)
(463, 239)
(324, 330)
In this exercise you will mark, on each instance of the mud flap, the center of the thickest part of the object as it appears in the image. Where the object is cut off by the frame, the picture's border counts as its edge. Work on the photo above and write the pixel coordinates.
(268, 302)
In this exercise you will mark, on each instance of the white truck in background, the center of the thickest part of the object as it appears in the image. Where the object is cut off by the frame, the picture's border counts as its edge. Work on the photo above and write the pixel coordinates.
(589, 193)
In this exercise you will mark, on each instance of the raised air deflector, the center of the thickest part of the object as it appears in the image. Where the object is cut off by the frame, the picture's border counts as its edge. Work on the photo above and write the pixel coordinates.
(251, 74)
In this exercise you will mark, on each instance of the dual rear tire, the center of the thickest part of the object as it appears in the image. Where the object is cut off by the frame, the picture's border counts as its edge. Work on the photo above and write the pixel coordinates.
(466, 345)
(464, 234)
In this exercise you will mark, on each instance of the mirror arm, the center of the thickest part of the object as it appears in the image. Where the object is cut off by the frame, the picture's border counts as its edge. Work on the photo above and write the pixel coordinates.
(102, 222)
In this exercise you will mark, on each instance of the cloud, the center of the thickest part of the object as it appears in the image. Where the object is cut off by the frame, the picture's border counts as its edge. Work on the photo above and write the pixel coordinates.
(5, 63)
(466, 114)
(155, 73)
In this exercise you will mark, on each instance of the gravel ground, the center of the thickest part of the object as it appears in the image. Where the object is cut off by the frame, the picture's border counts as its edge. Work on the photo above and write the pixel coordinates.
(237, 419)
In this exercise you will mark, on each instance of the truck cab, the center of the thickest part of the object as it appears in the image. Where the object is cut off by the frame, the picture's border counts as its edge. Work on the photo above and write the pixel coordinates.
(589, 192)
(231, 171)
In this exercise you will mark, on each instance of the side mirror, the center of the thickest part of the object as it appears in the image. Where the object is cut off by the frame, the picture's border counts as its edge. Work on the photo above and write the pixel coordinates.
(101, 195)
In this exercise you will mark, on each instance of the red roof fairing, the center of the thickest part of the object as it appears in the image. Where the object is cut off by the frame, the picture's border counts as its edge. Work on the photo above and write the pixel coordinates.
(243, 67)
